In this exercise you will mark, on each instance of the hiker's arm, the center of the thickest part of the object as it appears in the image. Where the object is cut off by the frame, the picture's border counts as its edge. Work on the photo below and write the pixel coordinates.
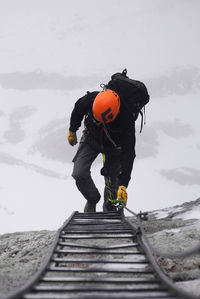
(81, 108)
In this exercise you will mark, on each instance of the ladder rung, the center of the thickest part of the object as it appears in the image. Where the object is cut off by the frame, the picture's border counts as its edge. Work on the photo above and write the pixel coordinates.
(71, 231)
(63, 251)
(97, 222)
(90, 295)
(96, 247)
(135, 288)
(99, 280)
(80, 214)
(100, 269)
(96, 261)
(123, 236)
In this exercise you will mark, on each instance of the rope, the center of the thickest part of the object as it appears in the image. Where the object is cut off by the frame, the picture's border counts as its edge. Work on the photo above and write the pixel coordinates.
(178, 291)
(149, 250)
(108, 136)
(186, 253)
(133, 213)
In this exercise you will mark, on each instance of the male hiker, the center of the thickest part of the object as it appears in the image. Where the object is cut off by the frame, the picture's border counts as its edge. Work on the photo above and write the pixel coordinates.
(109, 120)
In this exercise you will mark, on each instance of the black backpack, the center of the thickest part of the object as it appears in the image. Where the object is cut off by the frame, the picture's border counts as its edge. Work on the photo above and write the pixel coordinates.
(132, 93)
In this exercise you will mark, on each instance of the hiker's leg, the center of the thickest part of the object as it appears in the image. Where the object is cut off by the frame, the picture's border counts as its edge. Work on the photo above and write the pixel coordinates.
(112, 167)
(82, 174)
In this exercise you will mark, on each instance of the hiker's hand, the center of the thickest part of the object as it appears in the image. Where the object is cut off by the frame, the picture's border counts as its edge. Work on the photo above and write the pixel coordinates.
(71, 137)
(122, 194)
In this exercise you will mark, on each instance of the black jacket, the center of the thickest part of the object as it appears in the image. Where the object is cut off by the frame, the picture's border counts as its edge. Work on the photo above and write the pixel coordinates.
(121, 130)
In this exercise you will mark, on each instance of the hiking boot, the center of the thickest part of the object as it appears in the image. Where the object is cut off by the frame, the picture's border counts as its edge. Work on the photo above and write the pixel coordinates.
(108, 207)
(121, 212)
(90, 207)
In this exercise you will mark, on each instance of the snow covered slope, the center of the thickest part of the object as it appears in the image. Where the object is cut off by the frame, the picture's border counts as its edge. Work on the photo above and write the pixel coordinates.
(51, 53)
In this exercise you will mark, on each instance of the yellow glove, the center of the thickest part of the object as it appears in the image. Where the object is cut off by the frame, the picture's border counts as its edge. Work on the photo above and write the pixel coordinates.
(122, 194)
(72, 139)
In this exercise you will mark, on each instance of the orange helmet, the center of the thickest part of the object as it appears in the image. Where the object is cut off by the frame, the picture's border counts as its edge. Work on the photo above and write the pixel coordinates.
(106, 106)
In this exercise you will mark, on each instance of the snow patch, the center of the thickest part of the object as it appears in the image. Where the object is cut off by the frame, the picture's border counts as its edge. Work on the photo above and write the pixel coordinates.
(192, 214)
(160, 214)
(173, 230)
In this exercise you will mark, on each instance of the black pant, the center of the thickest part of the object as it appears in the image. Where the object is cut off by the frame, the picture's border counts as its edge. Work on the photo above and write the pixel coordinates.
(83, 160)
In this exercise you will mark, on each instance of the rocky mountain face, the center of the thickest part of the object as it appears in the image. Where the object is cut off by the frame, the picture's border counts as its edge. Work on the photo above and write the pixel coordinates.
(170, 230)
(175, 230)
(21, 254)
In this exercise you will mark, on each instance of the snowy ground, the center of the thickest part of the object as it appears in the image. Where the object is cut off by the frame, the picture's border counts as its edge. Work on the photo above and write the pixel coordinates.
(51, 53)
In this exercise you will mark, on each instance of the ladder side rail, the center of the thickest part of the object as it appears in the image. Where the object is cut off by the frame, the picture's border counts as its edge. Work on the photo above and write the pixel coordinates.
(36, 277)
(146, 246)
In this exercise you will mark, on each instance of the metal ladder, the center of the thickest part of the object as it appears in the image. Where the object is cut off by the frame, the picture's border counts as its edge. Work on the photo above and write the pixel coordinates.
(97, 256)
